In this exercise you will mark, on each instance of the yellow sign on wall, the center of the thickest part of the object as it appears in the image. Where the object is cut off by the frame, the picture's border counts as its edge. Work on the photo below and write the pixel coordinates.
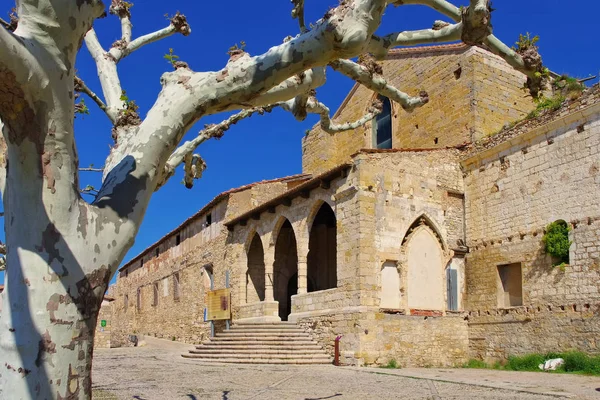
(219, 304)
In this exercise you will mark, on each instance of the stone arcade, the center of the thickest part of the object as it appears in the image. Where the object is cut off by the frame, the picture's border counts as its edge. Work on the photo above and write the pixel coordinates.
(416, 237)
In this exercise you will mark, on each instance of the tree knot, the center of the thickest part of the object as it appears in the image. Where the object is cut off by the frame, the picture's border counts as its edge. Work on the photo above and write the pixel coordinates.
(120, 8)
(370, 64)
(179, 21)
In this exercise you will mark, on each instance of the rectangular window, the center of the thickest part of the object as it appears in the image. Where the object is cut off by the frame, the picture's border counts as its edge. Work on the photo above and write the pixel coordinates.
(178, 240)
(157, 251)
(176, 286)
(208, 219)
(510, 285)
(125, 302)
(155, 294)
(139, 299)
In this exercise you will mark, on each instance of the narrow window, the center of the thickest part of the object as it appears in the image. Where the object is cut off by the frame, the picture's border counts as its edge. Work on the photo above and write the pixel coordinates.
(157, 251)
(209, 219)
(126, 272)
(510, 285)
(176, 286)
(382, 138)
(452, 288)
(177, 239)
(125, 302)
(155, 294)
(142, 262)
(139, 299)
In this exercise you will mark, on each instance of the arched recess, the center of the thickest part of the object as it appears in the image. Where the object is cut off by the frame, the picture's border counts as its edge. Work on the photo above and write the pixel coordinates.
(285, 269)
(322, 250)
(424, 255)
(255, 273)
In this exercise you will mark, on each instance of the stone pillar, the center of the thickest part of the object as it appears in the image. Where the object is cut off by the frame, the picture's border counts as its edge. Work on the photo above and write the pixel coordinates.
(269, 261)
(302, 272)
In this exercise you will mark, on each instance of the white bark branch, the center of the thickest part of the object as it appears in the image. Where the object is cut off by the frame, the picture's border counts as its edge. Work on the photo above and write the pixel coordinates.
(442, 6)
(108, 75)
(377, 83)
(210, 131)
(300, 106)
(380, 46)
(119, 53)
(508, 54)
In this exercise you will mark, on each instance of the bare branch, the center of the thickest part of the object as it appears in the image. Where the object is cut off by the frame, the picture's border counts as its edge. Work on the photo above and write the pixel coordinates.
(178, 24)
(107, 72)
(81, 87)
(442, 6)
(298, 13)
(121, 8)
(370, 77)
(312, 105)
(10, 25)
(380, 46)
(209, 131)
(90, 169)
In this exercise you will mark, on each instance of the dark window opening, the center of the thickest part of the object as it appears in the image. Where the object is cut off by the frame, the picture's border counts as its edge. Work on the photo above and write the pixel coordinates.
(139, 299)
(458, 73)
(177, 240)
(208, 219)
(157, 251)
(435, 140)
(383, 125)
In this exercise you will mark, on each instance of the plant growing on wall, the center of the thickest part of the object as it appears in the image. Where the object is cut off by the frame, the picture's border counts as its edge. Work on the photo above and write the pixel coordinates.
(556, 241)
(62, 250)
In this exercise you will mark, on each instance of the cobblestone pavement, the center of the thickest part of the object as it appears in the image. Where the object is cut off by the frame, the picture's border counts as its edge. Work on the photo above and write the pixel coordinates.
(157, 372)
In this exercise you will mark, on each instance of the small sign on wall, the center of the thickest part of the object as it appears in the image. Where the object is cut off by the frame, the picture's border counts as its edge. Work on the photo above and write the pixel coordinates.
(219, 305)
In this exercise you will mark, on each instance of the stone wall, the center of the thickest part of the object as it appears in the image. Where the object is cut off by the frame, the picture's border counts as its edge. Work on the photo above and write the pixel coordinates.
(472, 93)
(515, 189)
(517, 183)
(496, 334)
(397, 189)
(371, 337)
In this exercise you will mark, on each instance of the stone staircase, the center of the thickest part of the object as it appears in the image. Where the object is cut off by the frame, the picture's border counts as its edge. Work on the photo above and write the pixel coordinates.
(261, 343)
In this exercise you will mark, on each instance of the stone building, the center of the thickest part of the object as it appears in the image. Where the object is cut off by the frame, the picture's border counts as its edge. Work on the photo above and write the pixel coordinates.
(417, 237)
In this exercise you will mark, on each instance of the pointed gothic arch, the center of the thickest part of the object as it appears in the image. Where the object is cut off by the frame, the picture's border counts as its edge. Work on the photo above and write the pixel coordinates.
(423, 250)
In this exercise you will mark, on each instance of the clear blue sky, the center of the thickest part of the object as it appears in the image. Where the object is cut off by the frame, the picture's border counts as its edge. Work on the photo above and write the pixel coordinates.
(265, 147)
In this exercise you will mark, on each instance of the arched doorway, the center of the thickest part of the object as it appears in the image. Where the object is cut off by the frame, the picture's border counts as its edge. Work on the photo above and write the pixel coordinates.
(322, 250)
(285, 269)
(425, 277)
(255, 274)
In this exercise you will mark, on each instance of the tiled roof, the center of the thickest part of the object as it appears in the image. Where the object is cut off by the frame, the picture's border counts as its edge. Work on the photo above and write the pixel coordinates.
(290, 194)
(218, 198)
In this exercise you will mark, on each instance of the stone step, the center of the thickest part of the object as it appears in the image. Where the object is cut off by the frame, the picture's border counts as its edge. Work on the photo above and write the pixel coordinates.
(261, 343)
(262, 340)
(228, 360)
(300, 351)
(284, 356)
(259, 347)
(265, 330)
(262, 334)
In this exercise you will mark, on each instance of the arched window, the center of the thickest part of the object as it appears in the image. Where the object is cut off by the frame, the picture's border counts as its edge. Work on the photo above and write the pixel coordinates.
(382, 127)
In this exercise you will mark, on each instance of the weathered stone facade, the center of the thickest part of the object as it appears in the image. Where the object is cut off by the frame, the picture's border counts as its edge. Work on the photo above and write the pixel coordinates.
(103, 335)
(428, 253)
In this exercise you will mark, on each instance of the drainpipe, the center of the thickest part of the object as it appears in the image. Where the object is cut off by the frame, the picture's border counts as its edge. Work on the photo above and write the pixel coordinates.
(336, 358)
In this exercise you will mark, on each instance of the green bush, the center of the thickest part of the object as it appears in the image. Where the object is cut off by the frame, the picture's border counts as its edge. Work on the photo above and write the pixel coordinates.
(392, 364)
(473, 363)
(556, 241)
(529, 362)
